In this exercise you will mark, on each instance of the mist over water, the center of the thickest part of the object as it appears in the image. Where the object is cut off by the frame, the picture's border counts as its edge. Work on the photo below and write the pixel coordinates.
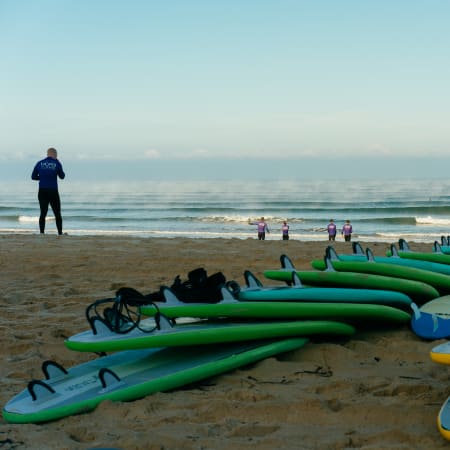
(380, 210)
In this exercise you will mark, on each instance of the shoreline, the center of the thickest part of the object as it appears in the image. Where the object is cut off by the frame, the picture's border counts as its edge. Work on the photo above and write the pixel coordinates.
(114, 234)
(329, 394)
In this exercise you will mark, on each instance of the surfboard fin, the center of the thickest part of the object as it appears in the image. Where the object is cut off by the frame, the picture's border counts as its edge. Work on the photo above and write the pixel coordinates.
(53, 370)
(357, 249)
(108, 378)
(163, 323)
(99, 327)
(416, 311)
(39, 390)
(394, 251)
(227, 295)
(251, 281)
(369, 255)
(286, 262)
(296, 282)
(170, 297)
(437, 247)
(328, 264)
(331, 253)
(403, 245)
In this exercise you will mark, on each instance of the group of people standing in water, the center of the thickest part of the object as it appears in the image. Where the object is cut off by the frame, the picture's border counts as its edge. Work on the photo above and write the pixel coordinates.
(262, 228)
(346, 231)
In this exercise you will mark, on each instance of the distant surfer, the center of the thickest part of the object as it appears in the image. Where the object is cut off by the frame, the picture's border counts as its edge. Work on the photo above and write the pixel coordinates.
(285, 231)
(347, 231)
(331, 228)
(47, 172)
(262, 228)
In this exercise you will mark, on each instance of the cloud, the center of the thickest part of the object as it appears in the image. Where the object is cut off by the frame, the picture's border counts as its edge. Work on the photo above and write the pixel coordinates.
(199, 152)
(180, 155)
(21, 156)
(152, 154)
(379, 149)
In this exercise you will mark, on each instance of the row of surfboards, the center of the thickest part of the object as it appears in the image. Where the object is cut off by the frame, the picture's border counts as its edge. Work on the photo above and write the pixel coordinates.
(438, 312)
(159, 349)
(432, 319)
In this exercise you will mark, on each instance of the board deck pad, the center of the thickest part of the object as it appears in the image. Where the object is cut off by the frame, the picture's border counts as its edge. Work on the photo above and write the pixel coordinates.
(130, 375)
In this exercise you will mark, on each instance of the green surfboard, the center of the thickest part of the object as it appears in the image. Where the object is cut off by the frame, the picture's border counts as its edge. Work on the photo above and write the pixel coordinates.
(100, 338)
(439, 281)
(255, 291)
(395, 259)
(416, 291)
(355, 313)
(130, 375)
(405, 252)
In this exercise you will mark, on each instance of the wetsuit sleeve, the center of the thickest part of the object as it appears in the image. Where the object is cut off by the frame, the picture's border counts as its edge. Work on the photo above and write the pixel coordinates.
(35, 173)
(60, 172)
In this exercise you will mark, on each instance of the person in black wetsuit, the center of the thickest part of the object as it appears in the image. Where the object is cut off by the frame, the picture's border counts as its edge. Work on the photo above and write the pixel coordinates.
(47, 172)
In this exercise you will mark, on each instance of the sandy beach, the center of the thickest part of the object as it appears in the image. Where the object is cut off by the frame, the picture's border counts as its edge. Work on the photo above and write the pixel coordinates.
(377, 390)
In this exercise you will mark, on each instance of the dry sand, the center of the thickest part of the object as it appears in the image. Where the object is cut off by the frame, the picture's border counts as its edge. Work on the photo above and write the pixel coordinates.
(377, 390)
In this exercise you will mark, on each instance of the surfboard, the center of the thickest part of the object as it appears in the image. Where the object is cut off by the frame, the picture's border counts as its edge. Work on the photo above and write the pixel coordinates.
(416, 291)
(429, 325)
(355, 313)
(441, 353)
(439, 306)
(439, 281)
(325, 294)
(255, 291)
(100, 338)
(443, 419)
(445, 249)
(395, 259)
(405, 252)
(130, 375)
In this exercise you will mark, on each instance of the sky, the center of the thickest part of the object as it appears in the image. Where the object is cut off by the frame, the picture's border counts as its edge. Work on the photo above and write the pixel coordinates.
(236, 86)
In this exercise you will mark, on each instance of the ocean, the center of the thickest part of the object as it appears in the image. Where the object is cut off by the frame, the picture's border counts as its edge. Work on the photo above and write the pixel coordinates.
(379, 210)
